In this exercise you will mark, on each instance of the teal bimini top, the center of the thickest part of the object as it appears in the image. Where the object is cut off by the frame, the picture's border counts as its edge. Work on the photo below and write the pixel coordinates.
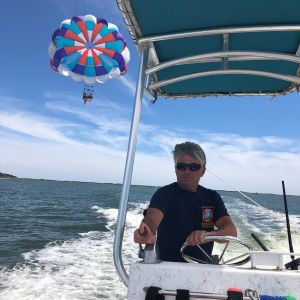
(201, 48)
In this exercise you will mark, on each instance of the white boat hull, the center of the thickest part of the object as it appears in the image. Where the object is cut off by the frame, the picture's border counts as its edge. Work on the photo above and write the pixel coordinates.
(214, 279)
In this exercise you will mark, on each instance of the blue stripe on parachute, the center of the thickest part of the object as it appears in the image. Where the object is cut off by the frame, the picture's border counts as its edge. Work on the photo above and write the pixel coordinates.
(71, 60)
(89, 67)
(62, 42)
(117, 46)
(105, 31)
(73, 27)
(107, 62)
(90, 25)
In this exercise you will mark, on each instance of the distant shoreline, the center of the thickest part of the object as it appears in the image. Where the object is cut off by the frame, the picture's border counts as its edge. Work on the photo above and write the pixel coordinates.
(7, 176)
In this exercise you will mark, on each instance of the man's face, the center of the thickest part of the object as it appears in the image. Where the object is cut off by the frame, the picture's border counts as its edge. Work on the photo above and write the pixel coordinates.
(188, 179)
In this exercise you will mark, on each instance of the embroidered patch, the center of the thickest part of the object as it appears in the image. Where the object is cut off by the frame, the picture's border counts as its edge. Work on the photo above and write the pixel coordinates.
(207, 216)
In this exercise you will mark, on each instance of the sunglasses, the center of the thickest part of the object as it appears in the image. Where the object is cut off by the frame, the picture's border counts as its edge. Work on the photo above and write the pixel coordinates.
(192, 167)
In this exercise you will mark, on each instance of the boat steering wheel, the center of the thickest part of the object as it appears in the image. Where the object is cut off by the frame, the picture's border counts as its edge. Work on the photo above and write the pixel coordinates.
(241, 259)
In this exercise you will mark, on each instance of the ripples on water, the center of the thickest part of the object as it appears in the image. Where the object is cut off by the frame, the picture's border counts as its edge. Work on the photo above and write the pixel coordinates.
(56, 238)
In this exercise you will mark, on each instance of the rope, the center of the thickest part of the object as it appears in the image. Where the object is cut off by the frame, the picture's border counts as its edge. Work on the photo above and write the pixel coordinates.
(244, 195)
(235, 189)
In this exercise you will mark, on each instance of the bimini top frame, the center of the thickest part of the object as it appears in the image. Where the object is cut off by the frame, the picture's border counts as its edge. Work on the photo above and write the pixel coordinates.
(195, 49)
(232, 47)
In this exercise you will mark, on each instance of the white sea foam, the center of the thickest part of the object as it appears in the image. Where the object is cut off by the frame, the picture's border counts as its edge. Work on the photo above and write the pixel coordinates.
(76, 269)
(83, 268)
(270, 225)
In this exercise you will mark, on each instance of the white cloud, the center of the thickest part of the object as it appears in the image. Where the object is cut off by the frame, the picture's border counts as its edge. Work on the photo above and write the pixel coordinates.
(130, 84)
(252, 170)
(34, 126)
(66, 98)
(115, 122)
(39, 159)
(89, 144)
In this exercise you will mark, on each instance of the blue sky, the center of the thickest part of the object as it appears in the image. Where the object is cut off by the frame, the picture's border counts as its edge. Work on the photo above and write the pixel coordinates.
(46, 131)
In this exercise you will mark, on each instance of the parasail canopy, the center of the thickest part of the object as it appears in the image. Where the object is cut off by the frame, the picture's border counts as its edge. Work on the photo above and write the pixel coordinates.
(88, 49)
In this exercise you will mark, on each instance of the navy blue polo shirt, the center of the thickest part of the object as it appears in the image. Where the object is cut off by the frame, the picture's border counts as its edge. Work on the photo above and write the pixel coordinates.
(185, 212)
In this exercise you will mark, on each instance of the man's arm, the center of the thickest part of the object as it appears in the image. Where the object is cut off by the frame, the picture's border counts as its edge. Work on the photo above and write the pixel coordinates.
(146, 233)
(225, 227)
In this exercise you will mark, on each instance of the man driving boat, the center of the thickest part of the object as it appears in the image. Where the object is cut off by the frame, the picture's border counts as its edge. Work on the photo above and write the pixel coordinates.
(185, 211)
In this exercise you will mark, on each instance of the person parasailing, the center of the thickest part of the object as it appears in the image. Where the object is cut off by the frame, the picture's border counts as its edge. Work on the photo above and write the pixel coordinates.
(88, 49)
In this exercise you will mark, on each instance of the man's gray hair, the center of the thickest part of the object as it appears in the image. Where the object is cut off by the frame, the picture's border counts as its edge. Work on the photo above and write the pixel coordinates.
(191, 149)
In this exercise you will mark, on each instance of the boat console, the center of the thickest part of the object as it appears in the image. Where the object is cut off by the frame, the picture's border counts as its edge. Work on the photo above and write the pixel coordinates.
(265, 274)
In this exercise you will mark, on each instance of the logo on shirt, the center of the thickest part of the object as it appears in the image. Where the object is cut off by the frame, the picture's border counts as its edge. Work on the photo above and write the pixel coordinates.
(207, 216)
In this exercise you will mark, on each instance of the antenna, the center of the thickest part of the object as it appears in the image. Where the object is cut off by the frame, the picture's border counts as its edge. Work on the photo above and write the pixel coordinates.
(294, 264)
(287, 221)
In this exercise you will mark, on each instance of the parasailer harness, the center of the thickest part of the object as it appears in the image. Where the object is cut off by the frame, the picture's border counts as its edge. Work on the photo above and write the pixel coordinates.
(87, 94)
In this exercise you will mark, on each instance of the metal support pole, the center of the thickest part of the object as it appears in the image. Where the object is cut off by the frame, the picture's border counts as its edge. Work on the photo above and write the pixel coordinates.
(129, 167)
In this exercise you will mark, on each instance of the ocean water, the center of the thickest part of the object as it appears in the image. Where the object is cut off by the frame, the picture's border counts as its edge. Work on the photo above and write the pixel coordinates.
(56, 238)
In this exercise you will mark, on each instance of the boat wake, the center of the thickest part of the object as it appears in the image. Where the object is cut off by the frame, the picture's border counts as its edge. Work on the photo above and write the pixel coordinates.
(83, 268)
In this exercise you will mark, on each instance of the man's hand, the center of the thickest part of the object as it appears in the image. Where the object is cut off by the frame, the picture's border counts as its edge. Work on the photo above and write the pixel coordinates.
(196, 237)
(144, 235)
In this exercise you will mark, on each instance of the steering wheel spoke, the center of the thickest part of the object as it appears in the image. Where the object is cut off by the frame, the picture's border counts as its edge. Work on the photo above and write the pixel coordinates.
(236, 260)
(226, 262)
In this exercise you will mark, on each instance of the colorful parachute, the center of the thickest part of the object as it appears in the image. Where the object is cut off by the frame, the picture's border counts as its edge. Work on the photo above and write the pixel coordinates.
(88, 49)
